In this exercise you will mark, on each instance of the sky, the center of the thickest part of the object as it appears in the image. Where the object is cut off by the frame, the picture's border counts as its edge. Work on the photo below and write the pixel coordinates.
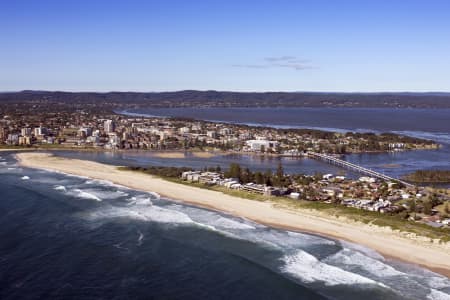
(229, 45)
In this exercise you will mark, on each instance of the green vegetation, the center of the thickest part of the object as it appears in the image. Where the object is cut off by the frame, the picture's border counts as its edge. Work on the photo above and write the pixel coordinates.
(399, 221)
(165, 172)
(429, 176)
(244, 175)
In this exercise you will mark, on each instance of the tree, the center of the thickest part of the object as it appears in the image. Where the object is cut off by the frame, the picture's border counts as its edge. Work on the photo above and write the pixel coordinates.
(446, 208)
(268, 177)
(318, 176)
(279, 178)
(412, 205)
(427, 207)
(234, 171)
(246, 176)
(259, 178)
(434, 199)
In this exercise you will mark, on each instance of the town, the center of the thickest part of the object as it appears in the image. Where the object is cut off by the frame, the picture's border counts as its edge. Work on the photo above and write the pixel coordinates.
(86, 130)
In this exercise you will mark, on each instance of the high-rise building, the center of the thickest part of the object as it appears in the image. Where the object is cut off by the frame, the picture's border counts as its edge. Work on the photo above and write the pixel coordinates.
(26, 131)
(39, 131)
(3, 134)
(109, 126)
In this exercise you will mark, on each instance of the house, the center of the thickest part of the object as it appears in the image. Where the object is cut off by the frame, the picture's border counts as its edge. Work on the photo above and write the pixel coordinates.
(192, 176)
(257, 145)
(367, 179)
(294, 195)
(327, 176)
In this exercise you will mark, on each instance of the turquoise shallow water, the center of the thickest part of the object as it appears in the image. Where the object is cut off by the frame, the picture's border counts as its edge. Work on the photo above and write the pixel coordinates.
(74, 238)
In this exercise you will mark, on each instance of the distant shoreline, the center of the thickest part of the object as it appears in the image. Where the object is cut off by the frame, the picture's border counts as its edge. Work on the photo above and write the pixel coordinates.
(428, 176)
(390, 243)
(209, 98)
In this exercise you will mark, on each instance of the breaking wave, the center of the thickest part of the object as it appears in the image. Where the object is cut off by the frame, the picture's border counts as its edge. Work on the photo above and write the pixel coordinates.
(308, 269)
(438, 295)
(59, 188)
(150, 213)
(83, 194)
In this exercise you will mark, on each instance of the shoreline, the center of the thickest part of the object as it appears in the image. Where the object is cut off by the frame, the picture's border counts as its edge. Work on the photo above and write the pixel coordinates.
(177, 153)
(387, 242)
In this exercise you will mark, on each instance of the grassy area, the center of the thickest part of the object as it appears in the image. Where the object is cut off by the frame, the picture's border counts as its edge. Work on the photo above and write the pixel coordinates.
(395, 222)
(429, 176)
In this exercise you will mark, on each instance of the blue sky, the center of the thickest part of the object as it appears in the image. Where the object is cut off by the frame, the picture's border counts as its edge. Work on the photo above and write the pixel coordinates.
(315, 45)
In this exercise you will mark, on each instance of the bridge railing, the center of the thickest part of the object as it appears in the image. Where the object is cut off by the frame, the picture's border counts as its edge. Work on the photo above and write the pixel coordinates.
(355, 167)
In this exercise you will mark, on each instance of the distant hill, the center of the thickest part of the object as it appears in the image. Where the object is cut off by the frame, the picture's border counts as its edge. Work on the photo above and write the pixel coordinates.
(192, 98)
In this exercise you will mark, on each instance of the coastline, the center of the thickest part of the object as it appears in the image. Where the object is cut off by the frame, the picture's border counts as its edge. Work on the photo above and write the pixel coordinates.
(384, 240)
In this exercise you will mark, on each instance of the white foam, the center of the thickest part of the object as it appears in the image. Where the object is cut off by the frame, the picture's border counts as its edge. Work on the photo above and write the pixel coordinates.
(105, 183)
(438, 295)
(102, 194)
(213, 219)
(155, 195)
(373, 266)
(148, 213)
(83, 194)
(431, 279)
(284, 241)
(140, 238)
(437, 281)
(59, 188)
(308, 269)
(309, 239)
(140, 200)
(360, 248)
(25, 177)
(228, 223)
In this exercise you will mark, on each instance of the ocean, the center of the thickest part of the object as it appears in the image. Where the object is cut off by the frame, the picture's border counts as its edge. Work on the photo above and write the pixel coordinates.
(70, 237)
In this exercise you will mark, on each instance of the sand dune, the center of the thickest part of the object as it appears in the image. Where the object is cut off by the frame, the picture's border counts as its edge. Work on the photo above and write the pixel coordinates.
(388, 242)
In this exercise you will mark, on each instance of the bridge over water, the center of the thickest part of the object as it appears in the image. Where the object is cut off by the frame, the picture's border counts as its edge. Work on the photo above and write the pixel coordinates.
(348, 165)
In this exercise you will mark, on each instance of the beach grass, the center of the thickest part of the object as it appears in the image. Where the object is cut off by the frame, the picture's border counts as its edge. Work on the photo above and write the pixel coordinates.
(394, 222)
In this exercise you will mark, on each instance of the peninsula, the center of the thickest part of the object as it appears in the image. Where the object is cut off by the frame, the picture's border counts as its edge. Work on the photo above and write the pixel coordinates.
(391, 243)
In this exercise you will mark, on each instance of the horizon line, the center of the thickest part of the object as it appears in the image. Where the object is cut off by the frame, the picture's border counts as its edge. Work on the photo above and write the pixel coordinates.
(228, 91)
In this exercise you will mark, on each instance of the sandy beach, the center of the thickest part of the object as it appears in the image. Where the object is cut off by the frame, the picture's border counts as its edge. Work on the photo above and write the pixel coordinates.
(390, 243)
(181, 154)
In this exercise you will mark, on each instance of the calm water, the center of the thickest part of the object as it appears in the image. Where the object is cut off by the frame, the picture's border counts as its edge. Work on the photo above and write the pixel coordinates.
(69, 237)
(424, 123)
(345, 119)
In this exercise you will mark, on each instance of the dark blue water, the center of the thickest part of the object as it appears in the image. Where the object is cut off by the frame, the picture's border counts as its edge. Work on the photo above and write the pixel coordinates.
(68, 237)
(345, 119)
